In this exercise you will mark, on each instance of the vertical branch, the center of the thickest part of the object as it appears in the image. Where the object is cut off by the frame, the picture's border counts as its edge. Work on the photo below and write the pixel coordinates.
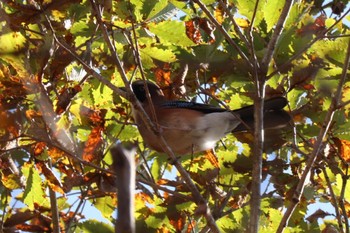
(124, 166)
(260, 81)
(275, 36)
(317, 146)
(54, 209)
(255, 198)
(341, 202)
(333, 199)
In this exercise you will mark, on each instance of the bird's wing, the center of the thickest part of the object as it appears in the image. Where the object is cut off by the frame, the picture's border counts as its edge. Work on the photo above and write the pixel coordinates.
(203, 108)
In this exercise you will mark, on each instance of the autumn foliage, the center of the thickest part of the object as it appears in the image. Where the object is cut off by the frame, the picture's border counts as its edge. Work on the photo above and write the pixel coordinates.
(62, 64)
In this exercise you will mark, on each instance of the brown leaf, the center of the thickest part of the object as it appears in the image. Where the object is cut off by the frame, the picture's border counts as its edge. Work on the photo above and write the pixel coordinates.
(343, 148)
(64, 99)
(314, 28)
(92, 151)
(162, 74)
(53, 182)
(95, 117)
(19, 217)
(338, 7)
(316, 215)
(38, 148)
(192, 31)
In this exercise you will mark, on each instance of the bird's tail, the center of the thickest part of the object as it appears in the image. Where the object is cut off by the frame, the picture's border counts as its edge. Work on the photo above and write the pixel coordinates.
(274, 115)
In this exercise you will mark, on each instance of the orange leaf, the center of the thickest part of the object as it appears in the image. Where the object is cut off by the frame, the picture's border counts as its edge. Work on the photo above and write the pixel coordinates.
(162, 74)
(212, 158)
(53, 182)
(55, 153)
(344, 148)
(93, 145)
(192, 31)
(38, 148)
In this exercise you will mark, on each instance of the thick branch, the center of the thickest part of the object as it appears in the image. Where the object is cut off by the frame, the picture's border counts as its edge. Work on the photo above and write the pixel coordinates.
(124, 167)
(260, 79)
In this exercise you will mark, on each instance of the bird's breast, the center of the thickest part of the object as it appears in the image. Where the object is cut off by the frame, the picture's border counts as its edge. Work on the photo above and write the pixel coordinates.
(187, 131)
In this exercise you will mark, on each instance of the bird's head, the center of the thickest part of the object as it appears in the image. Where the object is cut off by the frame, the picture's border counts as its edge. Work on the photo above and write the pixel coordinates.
(140, 91)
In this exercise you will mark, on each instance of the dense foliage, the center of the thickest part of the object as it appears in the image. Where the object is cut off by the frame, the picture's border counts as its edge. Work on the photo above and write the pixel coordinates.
(61, 63)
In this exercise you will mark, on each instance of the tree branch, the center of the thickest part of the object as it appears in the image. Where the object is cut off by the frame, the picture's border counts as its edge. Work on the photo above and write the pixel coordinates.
(333, 199)
(276, 35)
(260, 80)
(124, 167)
(224, 32)
(341, 197)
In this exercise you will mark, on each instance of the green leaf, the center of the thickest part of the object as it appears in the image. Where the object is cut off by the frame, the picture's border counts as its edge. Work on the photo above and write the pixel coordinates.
(33, 194)
(246, 8)
(171, 31)
(155, 222)
(12, 42)
(152, 8)
(106, 205)
(94, 226)
(149, 52)
(272, 11)
(156, 169)
(226, 224)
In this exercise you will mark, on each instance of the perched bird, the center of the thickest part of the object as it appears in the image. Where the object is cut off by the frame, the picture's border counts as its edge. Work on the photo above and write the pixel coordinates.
(190, 127)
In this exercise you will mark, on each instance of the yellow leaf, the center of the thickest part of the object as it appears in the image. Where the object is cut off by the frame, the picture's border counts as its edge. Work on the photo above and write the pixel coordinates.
(243, 23)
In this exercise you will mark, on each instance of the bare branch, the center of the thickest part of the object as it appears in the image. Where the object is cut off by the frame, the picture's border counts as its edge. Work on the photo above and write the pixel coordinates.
(54, 209)
(276, 35)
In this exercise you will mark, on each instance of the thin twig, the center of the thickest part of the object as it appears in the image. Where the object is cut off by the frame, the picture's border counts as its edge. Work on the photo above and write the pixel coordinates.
(251, 26)
(275, 36)
(235, 25)
(171, 191)
(341, 197)
(333, 199)
(317, 146)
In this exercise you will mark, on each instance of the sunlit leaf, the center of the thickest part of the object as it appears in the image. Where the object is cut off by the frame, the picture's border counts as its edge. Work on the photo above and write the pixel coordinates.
(33, 194)
(12, 42)
(93, 226)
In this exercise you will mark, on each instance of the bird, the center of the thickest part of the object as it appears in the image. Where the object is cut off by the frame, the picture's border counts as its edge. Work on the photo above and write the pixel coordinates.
(190, 127)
